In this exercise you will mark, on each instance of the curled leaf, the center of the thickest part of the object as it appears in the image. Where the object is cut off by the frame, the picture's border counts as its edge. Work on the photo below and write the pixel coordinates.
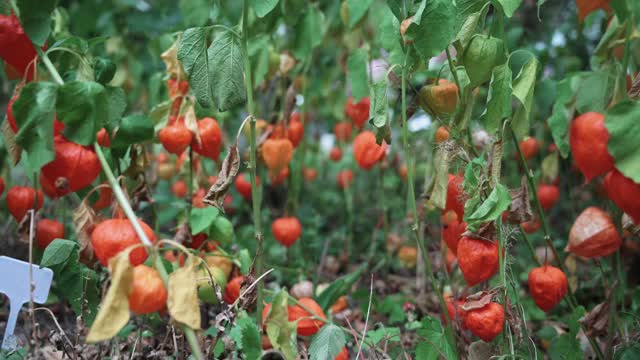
(477, 300)
(218, 191)
(84, 220)
(191, 122)
(183, 296)
(520, 208)
(114, 312)
(170, 59)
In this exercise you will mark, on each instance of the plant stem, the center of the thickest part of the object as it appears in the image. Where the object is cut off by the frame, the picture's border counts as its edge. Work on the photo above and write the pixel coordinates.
(252, 159)
(348, 198)
(414, 209)
(547, 237)
(531, 248)
(453, 71)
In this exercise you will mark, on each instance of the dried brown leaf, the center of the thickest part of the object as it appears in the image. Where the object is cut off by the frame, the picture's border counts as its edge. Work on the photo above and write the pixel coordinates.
(24, 227)
(191, 122)
(226, 176)
(486, 232)
(183, 296)
(84, 220)
(14, 150)
(477, 300)
(183, 235)
(114, 311)
(520, 208)
(596, 321)
(289, 102)
(634, 92)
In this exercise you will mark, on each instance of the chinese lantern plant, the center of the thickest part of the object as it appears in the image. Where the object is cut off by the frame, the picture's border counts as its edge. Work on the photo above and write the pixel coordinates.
(366, 151)
(593, 234)
(175, 136)
(307, 314)
(547, 285)
(22, 198)
(287, 230)
(148, 293)
(112, 236)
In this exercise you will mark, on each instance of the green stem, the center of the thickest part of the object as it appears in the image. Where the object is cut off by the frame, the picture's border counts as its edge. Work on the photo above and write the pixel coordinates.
(47, 63)
(530, 246)
(348, 198)
(157, 261)
(252, 159)
(453, 72)
(414, 208)
(547, 237)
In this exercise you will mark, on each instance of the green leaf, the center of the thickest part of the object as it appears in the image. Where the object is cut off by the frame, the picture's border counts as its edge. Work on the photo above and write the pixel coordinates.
(246, 336)
(499, 99)
(263, 7)
(79, 285)
(117, 104)
(327, 343)
(437, 343)
(357, 10)
(83, 106)
(560, 117)
(389, 34)
(104, 69)
(309, 33)
(226, 73)
(202, 218)
(58, 252)
(194, 12)
(34, 112)
(396, 8)
(245, 261)
(357, 74)
(565, 347)
(379, 113)
(35, 17)
(624, 134)
(573, 319)
(628, 352)
(194, 57)
(509, 6)
(441, 178)
(523, 88)
(433, 27)
(595, 92)
(338, 288)
(467, 9)
(281, 332)
(134, 129)
(222, 230)
(491, 209)
(388, 334)
(260, 55)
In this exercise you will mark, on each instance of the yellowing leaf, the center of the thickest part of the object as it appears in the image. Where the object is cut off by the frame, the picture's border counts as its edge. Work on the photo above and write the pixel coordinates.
(170, 59)
(281, 332)
(114, 312)
(183, 296)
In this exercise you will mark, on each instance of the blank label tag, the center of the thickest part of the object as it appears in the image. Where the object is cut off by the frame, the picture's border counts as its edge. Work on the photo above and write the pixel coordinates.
(14, 282)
